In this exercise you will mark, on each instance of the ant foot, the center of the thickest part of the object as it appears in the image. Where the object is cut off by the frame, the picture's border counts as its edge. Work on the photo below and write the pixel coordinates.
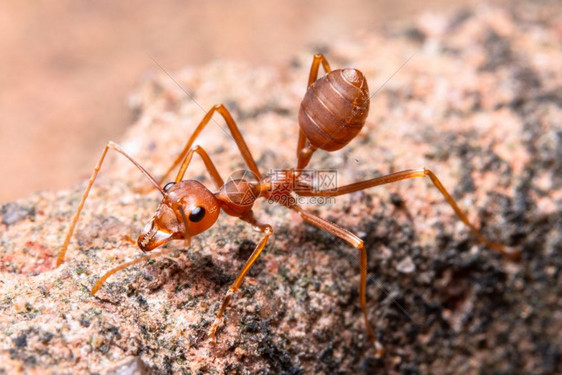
(213, 330)
(128, 239)
(512, 253)
(380, 349)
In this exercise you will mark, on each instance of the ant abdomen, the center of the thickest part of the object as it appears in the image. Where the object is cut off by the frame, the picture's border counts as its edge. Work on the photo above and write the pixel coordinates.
(334, 109)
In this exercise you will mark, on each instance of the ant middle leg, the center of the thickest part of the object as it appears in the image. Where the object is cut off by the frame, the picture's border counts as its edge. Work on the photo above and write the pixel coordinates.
(236, 135)
(510, 252)
(267, 232)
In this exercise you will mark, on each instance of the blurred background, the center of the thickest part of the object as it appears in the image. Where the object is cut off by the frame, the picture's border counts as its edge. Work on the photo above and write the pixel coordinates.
(68, 67)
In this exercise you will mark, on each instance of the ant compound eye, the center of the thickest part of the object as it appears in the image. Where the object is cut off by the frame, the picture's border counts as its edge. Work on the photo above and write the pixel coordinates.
(197, 214)
(168, 186)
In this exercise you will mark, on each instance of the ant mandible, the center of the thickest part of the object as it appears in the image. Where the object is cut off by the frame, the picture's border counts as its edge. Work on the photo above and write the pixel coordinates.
(332, 113)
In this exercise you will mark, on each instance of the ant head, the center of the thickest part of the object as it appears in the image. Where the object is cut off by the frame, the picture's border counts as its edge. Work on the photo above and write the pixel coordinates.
(187, 209)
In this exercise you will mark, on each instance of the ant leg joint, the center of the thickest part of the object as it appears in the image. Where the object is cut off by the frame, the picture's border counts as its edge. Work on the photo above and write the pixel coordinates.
(197, 148)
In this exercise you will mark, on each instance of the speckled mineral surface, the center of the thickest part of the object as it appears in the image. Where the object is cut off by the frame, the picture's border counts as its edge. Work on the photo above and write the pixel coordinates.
(478, 100)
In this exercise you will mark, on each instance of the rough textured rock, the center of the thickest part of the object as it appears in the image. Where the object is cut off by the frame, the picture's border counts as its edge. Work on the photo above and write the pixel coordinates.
(479, 102)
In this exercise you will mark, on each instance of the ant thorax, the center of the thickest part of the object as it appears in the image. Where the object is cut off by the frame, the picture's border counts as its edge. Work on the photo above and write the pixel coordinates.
(237, 196)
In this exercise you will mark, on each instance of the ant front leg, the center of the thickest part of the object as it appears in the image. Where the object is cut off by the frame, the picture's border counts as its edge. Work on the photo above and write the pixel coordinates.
(305, 150)
(356, 242)
(117, 148)
(267, 232)
(236, 135)
(112, 271)
(208, 164)
(413, 173)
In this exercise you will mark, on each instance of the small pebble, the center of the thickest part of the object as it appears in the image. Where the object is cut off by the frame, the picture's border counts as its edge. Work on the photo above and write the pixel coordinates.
(406, 265)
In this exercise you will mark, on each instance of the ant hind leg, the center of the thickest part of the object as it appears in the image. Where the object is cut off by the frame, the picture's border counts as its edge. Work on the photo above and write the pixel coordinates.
(304, 150)
(507, 251)
(356, 242)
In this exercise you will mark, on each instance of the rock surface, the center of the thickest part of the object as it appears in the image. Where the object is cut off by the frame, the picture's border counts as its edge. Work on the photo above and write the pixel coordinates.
(478, 100)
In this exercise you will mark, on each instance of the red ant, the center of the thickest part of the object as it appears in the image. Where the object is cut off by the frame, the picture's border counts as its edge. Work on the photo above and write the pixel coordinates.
(333, 111)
